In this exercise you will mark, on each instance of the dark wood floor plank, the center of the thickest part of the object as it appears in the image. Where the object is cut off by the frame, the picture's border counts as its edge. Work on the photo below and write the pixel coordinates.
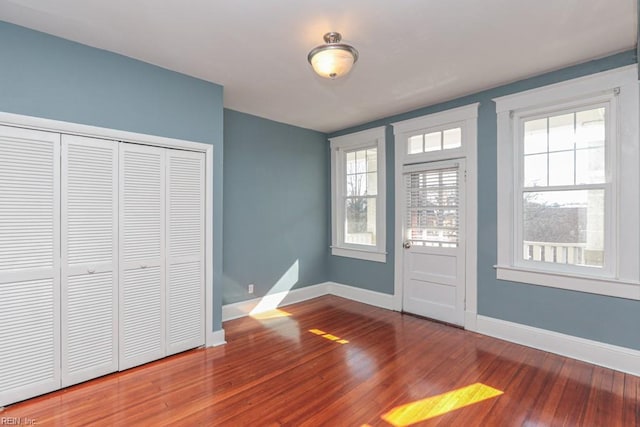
(368, 367)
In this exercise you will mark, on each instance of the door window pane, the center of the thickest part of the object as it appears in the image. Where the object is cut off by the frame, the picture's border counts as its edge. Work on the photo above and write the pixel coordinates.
(415, 144)
(432, 212)
(432, 141)
(452, 138)
(435, 141)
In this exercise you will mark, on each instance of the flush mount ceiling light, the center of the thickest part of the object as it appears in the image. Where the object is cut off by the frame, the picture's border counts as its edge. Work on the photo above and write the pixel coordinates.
(333, 59)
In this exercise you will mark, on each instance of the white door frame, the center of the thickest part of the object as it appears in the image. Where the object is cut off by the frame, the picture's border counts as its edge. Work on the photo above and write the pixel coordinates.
(467, 118)
(17, 120)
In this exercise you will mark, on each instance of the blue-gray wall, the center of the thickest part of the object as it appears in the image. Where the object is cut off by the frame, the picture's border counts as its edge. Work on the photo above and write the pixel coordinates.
(606, 319)
(275, 212)
(49, 77)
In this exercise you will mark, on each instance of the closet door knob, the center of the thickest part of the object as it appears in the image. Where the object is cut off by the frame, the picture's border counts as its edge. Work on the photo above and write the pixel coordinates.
(91, 270)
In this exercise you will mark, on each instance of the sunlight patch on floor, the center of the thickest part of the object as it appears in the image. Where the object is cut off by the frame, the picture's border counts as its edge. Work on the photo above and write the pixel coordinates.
(330, 337)
(279, 291)
(270, 314)
(422, 410)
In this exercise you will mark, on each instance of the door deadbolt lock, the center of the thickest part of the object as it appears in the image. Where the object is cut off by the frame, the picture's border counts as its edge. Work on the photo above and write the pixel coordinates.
(406, 245)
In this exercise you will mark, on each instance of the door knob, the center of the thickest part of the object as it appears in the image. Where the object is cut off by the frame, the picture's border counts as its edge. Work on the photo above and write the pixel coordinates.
(406, 245)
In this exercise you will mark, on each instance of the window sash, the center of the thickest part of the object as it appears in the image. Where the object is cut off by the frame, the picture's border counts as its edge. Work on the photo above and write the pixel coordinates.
(342, 176)
(563, 251)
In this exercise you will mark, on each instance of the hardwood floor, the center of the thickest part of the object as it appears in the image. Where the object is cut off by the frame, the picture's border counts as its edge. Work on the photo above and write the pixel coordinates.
(360, 366)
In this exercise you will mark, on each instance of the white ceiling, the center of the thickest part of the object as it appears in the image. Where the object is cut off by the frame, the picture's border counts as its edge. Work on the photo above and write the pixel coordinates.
(413, 53)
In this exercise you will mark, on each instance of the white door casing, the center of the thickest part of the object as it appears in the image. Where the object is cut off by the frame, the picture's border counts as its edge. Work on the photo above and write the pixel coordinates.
(89, 258)
(434, 240)
(466, 119)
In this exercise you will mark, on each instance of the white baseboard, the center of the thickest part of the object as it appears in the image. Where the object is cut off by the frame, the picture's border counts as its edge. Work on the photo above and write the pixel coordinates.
(216, 338)
(365, 296)
(269, 302)
(244, 308)
(610, 356)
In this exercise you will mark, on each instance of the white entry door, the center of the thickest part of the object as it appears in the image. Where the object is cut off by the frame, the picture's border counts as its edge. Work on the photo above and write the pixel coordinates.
(433, 240)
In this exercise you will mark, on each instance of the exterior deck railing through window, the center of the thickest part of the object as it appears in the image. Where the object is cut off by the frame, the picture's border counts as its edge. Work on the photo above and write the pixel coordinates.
(561, 253)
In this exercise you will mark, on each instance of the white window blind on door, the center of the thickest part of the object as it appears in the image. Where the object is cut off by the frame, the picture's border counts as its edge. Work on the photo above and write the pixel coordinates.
(433, 203)
(29, 263)
(89, 258)
(142, 254)
(185, 250)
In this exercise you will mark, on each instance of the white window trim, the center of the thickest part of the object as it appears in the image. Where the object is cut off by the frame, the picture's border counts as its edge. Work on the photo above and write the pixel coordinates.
(466, 117)
(369, 138)
(623, 279)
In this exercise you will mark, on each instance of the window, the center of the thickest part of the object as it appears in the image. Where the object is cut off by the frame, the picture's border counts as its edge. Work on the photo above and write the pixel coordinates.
(433, 207)
(446, 139)
(358, 195)
(565, 186)
(568, 185)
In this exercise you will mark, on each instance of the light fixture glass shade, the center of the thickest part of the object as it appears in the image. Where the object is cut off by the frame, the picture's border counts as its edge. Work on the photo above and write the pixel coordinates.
(333, 59)
(332, 63)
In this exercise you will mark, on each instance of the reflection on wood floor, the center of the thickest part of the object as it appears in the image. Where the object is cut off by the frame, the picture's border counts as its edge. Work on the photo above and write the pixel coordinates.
(335, 362)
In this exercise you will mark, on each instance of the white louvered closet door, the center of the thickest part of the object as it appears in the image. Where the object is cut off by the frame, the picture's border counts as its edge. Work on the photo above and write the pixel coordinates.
(29, 263)
(185, 250)
(89, 258)
(142, 254)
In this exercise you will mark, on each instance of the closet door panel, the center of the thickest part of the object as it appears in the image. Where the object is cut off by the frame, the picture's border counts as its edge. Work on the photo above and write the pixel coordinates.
(142, 338)
(185, 243)
(142, 254)
(29, 263)
(89, 258)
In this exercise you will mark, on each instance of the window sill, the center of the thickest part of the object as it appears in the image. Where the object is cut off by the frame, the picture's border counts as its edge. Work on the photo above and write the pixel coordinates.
(359, 254)
(593, 285)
